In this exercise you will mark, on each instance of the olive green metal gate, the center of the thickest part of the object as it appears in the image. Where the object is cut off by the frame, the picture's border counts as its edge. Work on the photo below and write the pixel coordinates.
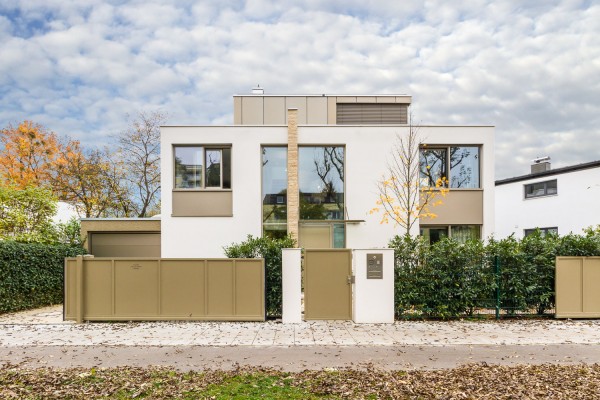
(116, 289)
(328, 284)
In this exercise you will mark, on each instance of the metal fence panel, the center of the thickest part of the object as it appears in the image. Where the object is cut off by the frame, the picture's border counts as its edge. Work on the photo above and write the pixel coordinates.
(577, 284)
(104, 289)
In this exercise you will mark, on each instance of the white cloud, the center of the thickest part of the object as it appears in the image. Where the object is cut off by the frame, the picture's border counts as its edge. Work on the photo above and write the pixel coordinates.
(530, 68)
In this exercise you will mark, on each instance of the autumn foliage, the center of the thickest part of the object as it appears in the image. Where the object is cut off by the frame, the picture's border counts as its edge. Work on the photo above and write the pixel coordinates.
(29, 156)
(34, 157)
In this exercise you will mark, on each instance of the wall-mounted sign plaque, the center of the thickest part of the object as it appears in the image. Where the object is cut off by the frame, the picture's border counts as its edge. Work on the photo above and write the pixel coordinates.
(374, 266)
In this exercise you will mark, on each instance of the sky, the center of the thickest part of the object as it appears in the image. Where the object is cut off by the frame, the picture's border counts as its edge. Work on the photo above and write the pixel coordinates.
(530, 68)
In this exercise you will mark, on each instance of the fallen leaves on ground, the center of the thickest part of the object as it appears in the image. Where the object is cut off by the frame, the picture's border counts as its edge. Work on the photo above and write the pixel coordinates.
(473, 381)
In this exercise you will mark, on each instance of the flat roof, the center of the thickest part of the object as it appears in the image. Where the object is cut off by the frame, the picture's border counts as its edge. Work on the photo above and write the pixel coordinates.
(157, 218)
(557, 171)
(329, 126)
(323, 95)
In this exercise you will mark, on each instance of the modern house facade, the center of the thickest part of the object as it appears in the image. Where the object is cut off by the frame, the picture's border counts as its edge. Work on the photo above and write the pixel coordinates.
(308, 165)
(561, 200)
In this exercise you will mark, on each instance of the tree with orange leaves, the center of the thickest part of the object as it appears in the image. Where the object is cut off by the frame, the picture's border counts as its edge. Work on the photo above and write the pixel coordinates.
(29, 155)
(88, 180)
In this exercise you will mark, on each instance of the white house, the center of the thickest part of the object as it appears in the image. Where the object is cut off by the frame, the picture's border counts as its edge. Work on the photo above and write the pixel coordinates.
(308, 165)
(561, 200)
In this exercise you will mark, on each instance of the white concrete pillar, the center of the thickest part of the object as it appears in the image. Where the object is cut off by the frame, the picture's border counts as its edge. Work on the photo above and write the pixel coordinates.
(291, 276)
(373, 294)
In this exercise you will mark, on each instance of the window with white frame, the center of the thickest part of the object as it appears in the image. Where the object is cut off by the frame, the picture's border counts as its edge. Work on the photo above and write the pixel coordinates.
(540, 189)
(202, 167)
(457, 164)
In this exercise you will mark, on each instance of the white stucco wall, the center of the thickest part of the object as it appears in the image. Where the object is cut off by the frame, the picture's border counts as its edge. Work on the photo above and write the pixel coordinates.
(367, 152)
(373, 299)
(574, 207)
(203, 236)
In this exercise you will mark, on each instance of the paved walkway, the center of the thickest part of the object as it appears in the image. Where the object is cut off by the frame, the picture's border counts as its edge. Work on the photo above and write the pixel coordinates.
(39, 338)
(45, 327)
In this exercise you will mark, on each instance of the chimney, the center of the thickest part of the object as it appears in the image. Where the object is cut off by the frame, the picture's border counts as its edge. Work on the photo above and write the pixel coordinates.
(258, 90)
(540, 165)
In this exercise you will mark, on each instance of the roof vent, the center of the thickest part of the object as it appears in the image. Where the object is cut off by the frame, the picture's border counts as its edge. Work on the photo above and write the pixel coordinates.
(540, 165)
(258, 90)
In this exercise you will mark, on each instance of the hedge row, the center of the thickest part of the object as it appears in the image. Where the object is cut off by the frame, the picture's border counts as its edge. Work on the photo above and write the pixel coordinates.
(451, 279)
(31, 274)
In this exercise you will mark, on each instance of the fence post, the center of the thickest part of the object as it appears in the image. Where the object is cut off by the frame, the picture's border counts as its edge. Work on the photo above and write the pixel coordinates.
(79, 290)
(291, 286)
(497, 272)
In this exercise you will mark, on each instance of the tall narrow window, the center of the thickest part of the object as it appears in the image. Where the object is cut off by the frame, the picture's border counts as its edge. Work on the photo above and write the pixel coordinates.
(274, 191)
(213, 168)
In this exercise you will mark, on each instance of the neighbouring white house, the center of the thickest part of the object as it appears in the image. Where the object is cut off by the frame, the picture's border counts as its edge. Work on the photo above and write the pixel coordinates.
(308, 165)
(561, 200)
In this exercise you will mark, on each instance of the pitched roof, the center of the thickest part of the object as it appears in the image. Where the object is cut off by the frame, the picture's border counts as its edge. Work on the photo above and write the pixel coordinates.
(557, 171)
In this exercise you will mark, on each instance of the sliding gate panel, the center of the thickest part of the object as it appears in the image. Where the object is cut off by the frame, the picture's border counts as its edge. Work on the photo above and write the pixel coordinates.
(327, 284)
(117, 289)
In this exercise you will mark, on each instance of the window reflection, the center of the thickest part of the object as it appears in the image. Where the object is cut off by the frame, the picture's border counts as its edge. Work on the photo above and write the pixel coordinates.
(321, 181)
(432, 164)
(213, 168)
(460, 165)
(188, 167)
(274, 191)
(464, 167)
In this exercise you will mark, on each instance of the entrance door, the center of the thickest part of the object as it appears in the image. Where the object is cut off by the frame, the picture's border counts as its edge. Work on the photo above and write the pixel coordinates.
(327, 284)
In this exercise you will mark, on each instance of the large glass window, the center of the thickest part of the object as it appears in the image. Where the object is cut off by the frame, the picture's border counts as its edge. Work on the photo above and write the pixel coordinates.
(459, 165)
(321, 185)
(274, 191)
(321, 181)
(541, 189)
(199, 167)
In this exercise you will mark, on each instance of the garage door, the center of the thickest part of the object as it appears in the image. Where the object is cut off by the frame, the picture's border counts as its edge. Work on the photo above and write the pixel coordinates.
(125, 244)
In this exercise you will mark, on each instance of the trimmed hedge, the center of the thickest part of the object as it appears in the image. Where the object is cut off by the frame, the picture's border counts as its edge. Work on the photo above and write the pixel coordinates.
(451, 279)
(32, 274)
(270, 250)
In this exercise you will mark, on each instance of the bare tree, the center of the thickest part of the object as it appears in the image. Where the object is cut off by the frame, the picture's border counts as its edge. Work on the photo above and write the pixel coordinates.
(402, 198)
(139, 153)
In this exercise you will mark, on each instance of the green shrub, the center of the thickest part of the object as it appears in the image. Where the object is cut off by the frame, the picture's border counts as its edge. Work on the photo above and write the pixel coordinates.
(443, 280)
(26, 214)
(451, 279)
(32, 274)
(270, 250)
